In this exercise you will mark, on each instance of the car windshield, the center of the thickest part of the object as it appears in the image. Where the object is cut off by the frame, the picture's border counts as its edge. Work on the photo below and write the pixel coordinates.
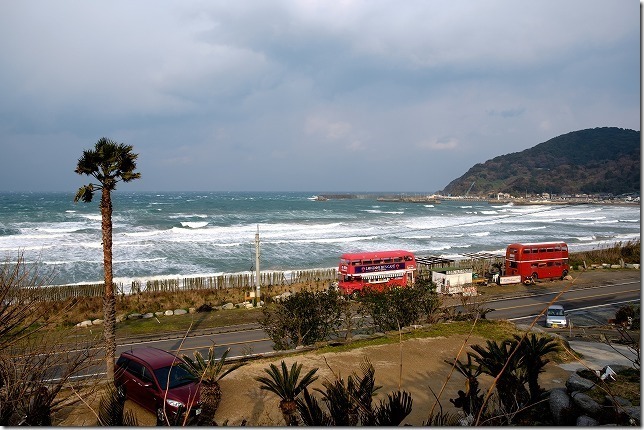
(555, 312)
(178, 375)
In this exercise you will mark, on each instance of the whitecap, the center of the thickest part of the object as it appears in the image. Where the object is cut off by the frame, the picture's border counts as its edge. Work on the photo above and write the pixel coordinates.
(585, 238)
(480, 234)
(194, 224)
(93, 217)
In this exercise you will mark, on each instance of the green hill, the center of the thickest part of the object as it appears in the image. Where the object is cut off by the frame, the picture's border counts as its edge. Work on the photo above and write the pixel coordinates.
(593, 161)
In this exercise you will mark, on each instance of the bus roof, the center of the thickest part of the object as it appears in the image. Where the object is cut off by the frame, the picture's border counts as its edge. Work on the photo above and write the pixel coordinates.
(375, 254)
(537, 244)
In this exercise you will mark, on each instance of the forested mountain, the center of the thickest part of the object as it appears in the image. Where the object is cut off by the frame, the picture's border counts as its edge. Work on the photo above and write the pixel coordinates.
(592, 161)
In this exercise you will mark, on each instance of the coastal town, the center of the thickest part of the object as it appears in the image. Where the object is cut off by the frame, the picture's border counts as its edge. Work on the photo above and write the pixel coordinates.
(499, 198)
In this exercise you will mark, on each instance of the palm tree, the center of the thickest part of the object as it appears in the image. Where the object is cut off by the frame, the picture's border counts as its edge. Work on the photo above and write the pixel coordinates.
(210, 371)
(287, 385)
(109, 162)
(533, 349)
(498, 361)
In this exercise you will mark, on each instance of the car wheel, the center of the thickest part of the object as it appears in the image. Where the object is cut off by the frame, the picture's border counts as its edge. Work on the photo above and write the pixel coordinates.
(120, 393)
(161, 421)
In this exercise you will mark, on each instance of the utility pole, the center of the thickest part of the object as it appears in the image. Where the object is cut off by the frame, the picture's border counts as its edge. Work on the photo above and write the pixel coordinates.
(257, 295)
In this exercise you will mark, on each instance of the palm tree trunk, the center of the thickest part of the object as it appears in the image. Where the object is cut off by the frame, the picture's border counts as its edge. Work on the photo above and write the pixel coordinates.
(210, 399)
(109, 301)
(289, 412)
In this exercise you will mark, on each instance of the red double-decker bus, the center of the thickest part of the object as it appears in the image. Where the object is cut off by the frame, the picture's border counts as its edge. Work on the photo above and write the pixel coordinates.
(537, 260)
(375, 270)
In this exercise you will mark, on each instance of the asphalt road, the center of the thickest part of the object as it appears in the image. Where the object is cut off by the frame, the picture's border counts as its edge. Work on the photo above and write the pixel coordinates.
(587, 306)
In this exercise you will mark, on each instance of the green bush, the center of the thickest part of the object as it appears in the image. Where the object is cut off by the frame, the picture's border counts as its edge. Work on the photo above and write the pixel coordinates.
(303, 318)
(399, 307)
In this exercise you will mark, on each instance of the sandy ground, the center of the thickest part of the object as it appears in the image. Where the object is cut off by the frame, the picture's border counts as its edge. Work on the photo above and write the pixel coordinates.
(416, 365)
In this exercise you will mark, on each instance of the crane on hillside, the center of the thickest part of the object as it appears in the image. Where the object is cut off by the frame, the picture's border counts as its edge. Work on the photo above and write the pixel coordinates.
(470, 188)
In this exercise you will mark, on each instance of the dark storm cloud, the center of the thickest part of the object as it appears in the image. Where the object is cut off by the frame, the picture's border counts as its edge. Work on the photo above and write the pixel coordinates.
(308, 95)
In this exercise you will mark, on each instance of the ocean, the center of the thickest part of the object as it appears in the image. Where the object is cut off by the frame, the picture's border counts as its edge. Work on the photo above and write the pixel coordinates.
(182, 234)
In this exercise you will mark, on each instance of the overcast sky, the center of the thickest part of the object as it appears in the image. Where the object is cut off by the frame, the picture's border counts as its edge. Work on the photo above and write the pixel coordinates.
(338, 95)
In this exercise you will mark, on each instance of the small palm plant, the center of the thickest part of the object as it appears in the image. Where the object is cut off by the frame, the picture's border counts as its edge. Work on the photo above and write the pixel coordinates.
(533, 349)
(499, 361)
(469, 400)
(350, 403)
(287, 385)
(210, 371)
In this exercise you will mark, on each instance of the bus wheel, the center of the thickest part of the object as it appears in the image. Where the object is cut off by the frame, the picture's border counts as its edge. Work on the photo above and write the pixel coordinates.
(535, 276)
(564, 274)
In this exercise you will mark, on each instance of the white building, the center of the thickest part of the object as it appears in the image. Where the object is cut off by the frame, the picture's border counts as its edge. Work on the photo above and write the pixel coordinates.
(450, 280)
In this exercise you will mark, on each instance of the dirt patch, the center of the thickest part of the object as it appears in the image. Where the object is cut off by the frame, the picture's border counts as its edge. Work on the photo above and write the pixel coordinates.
(416, 365)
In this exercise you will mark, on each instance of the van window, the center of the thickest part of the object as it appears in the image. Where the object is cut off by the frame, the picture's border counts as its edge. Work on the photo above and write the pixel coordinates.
(555, 312)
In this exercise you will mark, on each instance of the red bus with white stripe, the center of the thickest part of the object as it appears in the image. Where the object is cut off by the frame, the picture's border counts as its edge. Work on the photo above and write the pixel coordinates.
(537, 260)
(375, 270)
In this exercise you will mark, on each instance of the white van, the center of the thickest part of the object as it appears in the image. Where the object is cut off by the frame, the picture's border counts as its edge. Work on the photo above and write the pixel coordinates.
(556, 316)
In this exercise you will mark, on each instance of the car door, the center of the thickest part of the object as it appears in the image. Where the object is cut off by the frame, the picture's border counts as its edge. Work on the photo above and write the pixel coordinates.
(150, 391)
(141, 387)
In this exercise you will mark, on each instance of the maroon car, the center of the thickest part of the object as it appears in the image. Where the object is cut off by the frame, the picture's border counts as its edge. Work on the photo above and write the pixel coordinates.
(158, 381)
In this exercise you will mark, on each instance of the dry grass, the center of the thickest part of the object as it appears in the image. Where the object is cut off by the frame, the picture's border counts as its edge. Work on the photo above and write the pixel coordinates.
(629, 252)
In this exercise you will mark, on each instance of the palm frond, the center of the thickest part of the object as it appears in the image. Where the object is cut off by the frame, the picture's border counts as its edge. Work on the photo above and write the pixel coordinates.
(111, 411)
(394, 410)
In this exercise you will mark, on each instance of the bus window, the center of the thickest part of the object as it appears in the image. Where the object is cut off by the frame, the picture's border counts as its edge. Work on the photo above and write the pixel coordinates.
(535, 250)
(526, 251)
(549, 250)
(542, 249)
(557, 249)
(550, 264)
(513, 264)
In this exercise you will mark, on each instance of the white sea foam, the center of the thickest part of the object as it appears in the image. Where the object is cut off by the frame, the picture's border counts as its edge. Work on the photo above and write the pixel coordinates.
(294, 233)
